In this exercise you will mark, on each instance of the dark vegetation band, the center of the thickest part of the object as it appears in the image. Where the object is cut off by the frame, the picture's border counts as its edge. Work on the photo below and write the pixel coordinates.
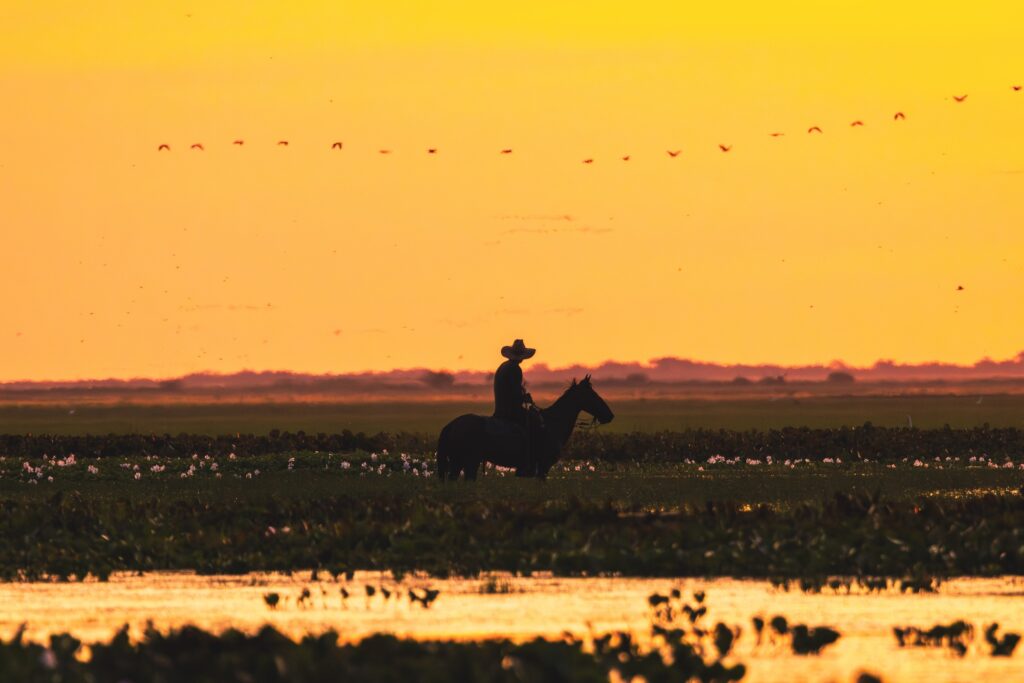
(853, 535)
(851, 444)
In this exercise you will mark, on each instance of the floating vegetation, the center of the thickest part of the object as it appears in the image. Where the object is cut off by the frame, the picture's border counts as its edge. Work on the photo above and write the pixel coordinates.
(802, 639)
(495, 586)
(685, 651)
(957, 637)
(1001, 646)
(851, 584)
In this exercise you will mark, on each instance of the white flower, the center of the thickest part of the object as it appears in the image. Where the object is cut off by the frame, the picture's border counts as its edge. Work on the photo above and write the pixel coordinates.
(345, 464)
(93, 470)
(138, 475)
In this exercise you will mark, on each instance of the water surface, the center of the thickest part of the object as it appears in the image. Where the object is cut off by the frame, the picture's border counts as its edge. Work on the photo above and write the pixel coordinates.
(529, 607)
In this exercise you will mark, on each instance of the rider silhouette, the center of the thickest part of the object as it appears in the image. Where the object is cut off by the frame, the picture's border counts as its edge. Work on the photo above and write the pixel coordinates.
(513, 403)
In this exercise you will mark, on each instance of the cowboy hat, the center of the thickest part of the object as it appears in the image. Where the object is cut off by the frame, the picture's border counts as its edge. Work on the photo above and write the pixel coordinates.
(518, 351)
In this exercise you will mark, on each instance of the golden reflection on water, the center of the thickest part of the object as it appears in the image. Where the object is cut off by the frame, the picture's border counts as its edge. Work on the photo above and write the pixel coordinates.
(523, 608)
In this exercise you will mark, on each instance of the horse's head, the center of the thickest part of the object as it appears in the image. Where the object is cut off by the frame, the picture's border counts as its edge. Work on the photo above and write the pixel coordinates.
(590, 401)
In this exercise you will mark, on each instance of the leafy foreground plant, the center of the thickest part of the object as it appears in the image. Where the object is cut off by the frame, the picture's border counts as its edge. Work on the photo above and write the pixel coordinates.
(684, 652)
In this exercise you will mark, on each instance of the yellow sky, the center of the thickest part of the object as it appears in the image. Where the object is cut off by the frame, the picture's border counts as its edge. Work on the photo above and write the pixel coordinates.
(122, 261)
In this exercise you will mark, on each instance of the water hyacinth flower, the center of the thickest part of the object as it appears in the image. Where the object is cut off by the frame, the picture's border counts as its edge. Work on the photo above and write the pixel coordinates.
(138, 475)
(93, 469)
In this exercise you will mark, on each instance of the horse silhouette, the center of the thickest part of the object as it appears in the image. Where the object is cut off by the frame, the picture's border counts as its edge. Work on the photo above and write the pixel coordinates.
(469, 440)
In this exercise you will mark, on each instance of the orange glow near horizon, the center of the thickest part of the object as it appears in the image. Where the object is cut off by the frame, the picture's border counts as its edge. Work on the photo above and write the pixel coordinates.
(124, 261)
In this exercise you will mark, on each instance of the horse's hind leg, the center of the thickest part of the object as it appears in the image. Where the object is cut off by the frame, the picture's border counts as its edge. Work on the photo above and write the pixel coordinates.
(472, 465)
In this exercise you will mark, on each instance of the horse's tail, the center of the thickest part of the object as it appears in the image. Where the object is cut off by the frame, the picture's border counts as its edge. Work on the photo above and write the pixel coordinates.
(443, 455)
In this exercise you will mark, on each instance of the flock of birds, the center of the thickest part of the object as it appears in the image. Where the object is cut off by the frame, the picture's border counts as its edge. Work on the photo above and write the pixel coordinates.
(673, 153)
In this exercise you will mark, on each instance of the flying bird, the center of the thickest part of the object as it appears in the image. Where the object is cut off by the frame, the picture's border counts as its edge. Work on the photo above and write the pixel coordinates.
(238, 142)
(899, 116)
(432, 150)
(776, 135)
(588, 161)
(959, 98)
(336, 145)
(856, 123)
(725, 148)
(198, 146)
(625, 158)
(506, 151)
(282, 143)
(814, 129)
(959, 288)
(163, 147)
(675, 153)
(384, 151)
(1017, 87)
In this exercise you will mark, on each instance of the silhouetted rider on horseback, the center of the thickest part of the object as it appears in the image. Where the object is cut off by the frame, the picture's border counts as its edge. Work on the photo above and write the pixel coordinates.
(513, 403)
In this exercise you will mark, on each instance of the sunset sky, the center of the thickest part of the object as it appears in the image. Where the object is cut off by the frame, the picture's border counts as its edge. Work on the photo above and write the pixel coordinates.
(119, 260)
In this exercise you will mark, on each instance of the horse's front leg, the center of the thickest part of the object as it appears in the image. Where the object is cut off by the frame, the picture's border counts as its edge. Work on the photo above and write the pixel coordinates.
(472, 465)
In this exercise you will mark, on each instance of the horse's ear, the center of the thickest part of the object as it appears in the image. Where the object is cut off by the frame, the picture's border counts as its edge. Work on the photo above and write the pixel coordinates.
(586, 380)
(573, 382)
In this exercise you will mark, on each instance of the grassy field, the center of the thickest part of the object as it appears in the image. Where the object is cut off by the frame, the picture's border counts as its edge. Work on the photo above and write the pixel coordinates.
(348, 512)
(631, 415)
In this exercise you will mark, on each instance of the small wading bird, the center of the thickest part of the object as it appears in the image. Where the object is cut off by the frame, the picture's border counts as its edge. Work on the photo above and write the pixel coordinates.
(336, 145)
(899, 116)
(163, 147)
(814, 129)
(959, 98)
(675, 153)
(725, 148)
(198, 146)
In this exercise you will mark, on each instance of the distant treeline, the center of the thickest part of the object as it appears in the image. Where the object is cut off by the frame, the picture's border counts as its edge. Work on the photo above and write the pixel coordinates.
(849, 444)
